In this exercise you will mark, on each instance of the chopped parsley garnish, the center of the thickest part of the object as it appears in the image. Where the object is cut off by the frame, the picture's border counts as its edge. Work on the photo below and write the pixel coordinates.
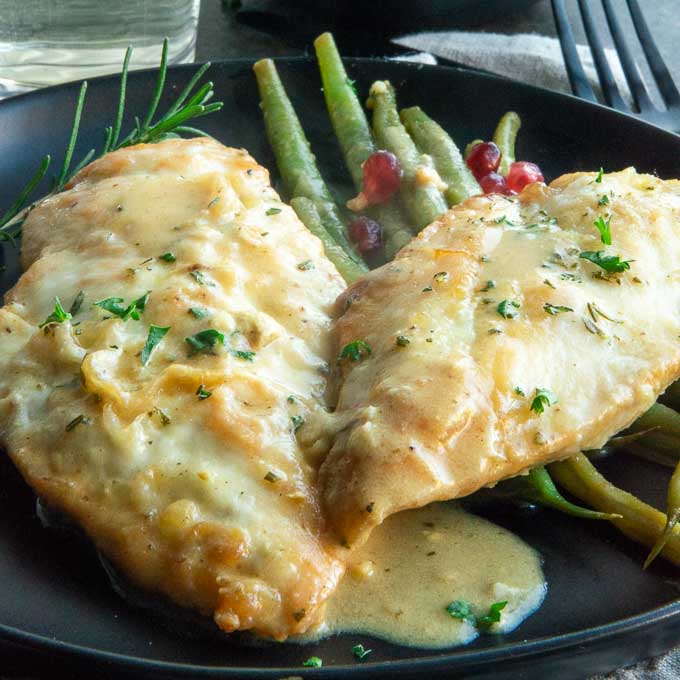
(82, 419)
(199, 312)
(168, 257)
(243, 354)
(610, 263)
(556, 309)
(462, 610)
(204, 341)
(360, 651)
(200, 278)
(298, 422)
(542, 398)
(488, 286)
(355, 350)
(59, 315)
(604, 200)
(313, 662)
(508, 309)
(604, 227)
(156, 334)
(305, 266)
(441, 277)
(519, 391)
(492, 616)
(77, 303)
(600, 175)
(113, 306)
(402, 341)
(271, 477)
(202, 393)
(273, 211)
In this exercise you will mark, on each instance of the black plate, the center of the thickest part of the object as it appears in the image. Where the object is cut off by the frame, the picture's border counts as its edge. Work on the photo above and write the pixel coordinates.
(602, 610)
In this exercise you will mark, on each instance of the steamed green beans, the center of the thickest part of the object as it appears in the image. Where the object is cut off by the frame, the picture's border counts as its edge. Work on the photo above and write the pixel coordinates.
(672, 516)
(432, 139)
(355, 138)
(638, 521)
(505, 138)
(423, 200)
(295, 160)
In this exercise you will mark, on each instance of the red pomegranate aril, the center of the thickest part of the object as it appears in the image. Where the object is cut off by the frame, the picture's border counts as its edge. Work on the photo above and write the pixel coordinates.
(493, 183)
(366, 233)
(522, 173)
(382, 176)
(483, 159)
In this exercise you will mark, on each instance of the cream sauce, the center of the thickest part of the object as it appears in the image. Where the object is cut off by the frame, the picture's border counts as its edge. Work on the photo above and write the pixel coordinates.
(398, 585)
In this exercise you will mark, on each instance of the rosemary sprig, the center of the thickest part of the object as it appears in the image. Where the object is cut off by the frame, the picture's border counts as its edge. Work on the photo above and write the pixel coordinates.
(187, 106)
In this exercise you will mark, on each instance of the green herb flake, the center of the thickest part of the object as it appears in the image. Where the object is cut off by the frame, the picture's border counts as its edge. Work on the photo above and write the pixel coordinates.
(360, 651)
(165, 418)
(199, 312)
(556, 309)
(462, 610)
(441, 277)
(82, 419)
(242, 354)
(610, 263)
(492, 616)
(313, 662)
(402, 341)
(272, 211)
(59, 315)
(604, 200)
(508, 309)
(550, 284)
(271, 477)
(298, 422)
(354, 351)
(542, 398)
(77, 303)
(352, 85)
(600, 175)
(488, 286)
(168, 257)
(305, 266)
(204, 341)
(156, 334)
(200, 278)
(202, 392)
(520, 392)
(427, 289)
(113, 306)
(604, 227)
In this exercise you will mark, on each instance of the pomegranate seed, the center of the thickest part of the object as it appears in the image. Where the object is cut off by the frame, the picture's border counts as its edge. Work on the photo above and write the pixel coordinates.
(493, 183)
(366, 233)
(483, 159)
(523, 173)
(382, 176)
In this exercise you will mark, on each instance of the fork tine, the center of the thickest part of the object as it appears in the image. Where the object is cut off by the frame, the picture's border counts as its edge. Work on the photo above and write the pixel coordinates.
(609, 87)
(669, 91)
(577, 76)
(637, 87)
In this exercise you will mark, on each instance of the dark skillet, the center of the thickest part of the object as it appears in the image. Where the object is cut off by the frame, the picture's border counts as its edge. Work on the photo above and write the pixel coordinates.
(602, 610)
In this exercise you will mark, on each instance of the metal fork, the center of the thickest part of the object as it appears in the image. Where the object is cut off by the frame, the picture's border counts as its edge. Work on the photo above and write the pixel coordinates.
(643, 105)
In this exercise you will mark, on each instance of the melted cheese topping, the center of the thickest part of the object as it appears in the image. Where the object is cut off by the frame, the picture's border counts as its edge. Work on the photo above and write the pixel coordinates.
(443, 414)
(398, 585)
(207, 500)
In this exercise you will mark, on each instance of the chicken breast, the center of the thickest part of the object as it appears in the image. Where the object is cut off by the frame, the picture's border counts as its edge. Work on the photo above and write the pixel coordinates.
(492, 343)
(161, 415)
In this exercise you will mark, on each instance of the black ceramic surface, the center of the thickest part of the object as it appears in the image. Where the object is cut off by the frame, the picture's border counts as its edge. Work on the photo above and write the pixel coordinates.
(602, 611)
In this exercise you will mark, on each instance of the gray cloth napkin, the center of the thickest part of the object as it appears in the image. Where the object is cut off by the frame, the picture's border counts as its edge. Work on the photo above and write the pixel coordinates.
(534, 59)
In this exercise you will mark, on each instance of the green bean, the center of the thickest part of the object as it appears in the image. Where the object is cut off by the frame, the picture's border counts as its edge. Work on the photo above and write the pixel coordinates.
(471, 145)
(505, 137)
(541, 489)
(671, 397)
(295, 160)
(432, 139)
(424, 202)
(310, 216)
(672, 516)
(355, 137)
(638, 521)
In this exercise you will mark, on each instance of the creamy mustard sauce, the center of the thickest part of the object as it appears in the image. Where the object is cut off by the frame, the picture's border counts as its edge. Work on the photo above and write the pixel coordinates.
(398, 585)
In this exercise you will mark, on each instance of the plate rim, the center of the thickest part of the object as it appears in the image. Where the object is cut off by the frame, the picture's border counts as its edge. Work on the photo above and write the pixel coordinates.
(454, 658)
